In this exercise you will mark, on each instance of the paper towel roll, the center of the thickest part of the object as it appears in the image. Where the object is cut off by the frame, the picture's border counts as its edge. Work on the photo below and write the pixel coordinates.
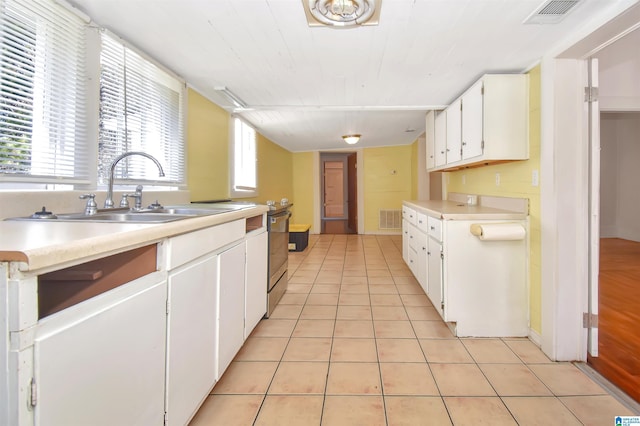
(498, 231)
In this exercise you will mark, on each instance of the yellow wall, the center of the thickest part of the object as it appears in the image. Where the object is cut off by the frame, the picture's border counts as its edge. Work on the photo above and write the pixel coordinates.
(207, 148)
(516, 181)
(275, 168)
(303, 189)
(387, 181)
(208, 156)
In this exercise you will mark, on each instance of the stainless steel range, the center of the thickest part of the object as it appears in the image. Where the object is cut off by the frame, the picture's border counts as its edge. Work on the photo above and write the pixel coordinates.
(278, 228)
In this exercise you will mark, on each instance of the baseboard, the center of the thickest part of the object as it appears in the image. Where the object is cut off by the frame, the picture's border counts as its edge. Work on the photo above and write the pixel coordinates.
(535, 338)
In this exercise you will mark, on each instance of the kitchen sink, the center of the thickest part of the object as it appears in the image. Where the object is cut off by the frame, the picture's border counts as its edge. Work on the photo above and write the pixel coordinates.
(131, 217)
(150, 215)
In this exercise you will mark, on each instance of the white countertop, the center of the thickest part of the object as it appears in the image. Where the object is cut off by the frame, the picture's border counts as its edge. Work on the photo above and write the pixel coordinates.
(452, 210)
(38, 245)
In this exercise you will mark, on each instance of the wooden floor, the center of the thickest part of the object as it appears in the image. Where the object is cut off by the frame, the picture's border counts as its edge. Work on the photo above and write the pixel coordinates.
(619, 315)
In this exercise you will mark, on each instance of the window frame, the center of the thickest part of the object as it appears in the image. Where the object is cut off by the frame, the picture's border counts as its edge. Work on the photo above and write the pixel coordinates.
(90, 114)
(241, 190)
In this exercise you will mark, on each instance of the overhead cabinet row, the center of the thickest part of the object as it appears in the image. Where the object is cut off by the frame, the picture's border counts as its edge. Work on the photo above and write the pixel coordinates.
(488, 124)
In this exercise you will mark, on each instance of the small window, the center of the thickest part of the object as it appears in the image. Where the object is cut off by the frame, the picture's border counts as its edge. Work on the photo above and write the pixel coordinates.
(243, 174)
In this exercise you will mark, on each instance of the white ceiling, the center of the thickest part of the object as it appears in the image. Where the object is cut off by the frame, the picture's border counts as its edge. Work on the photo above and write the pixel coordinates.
(307, 86)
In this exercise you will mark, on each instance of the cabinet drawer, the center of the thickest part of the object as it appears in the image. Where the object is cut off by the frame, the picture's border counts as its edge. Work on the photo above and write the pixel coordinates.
(184, 248)
(435, 228)
(422, 222)
(409, 215)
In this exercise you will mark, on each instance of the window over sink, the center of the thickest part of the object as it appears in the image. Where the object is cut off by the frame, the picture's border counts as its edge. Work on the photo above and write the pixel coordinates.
(73, 97)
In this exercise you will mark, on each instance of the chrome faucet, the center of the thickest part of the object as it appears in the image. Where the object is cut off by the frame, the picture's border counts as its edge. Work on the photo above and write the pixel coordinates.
(108, 202)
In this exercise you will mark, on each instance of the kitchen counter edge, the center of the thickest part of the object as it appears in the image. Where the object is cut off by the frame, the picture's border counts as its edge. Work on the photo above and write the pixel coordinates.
(451, 210)
(38, 246)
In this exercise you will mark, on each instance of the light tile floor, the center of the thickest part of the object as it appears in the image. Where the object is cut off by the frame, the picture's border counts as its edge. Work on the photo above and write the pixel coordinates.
(355, 341)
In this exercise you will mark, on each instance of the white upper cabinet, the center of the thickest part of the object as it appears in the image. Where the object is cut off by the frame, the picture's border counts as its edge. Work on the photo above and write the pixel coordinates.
(488, 124)
(454, 132)
(472, 126)
(440, 139)
(430, 137)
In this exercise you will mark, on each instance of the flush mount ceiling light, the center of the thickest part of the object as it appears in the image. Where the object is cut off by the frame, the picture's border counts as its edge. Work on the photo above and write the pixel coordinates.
(237, 102)
(342, 13)
(351, 139)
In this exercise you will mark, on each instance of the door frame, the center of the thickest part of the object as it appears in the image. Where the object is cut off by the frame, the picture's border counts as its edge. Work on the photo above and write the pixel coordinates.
(317, 188)
(565, 196)
(333, 157)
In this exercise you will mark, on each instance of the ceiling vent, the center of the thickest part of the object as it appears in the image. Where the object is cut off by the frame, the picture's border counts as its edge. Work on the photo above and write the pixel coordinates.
(551, 12)
(342, 13)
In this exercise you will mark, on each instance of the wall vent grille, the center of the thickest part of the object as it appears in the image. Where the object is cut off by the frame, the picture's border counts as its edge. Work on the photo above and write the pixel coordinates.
(390, 219)
(551, 11)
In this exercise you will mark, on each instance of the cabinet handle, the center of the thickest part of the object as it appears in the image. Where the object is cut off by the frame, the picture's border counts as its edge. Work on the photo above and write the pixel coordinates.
(433, 228)
(428, 253)
(424, 249)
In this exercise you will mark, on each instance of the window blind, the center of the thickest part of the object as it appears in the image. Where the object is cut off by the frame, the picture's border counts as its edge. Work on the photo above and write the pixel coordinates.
(141, 109)
(43, 129)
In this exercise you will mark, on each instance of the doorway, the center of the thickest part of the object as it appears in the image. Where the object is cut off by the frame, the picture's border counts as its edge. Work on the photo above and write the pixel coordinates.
(619, 262)
(339, 193)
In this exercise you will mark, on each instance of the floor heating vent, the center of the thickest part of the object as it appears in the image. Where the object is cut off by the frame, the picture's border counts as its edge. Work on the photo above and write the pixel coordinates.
(390, 219)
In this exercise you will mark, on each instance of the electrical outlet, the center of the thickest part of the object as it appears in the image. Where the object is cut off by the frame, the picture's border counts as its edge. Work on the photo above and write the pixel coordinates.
(497, 179)
(535, 178)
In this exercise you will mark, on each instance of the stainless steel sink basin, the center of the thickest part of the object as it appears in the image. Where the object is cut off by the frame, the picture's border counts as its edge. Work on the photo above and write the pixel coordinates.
(186, 211)
(161, 215)
(129, 217)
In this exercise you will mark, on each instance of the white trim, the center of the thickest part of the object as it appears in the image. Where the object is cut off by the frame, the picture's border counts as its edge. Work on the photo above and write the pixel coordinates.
(564, 196)
(535, 337)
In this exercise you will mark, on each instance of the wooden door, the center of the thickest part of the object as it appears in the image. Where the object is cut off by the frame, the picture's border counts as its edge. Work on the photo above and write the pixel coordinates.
(352, 192)
(334, 196)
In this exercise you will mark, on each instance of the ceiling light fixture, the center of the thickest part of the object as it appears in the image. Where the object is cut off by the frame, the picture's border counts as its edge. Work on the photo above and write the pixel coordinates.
(237, 102)
(342, 13)
(351, 139)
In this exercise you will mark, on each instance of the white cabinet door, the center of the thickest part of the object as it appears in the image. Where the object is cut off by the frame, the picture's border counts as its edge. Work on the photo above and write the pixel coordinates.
(191, 342)
(429, 133)
(435, 280)
(256, 281)
(454, 132)
(230, 305)
(441, 139)
(422, 259)
(405, 241)
(472, 121)
(103, 363)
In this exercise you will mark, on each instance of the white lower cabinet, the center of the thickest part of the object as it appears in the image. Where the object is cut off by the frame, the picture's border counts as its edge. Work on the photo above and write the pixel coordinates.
(231, 277)
(434, 280)
(256, 281)
(192, 338)
(101, 362)
(478, 287)
(146, 351)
